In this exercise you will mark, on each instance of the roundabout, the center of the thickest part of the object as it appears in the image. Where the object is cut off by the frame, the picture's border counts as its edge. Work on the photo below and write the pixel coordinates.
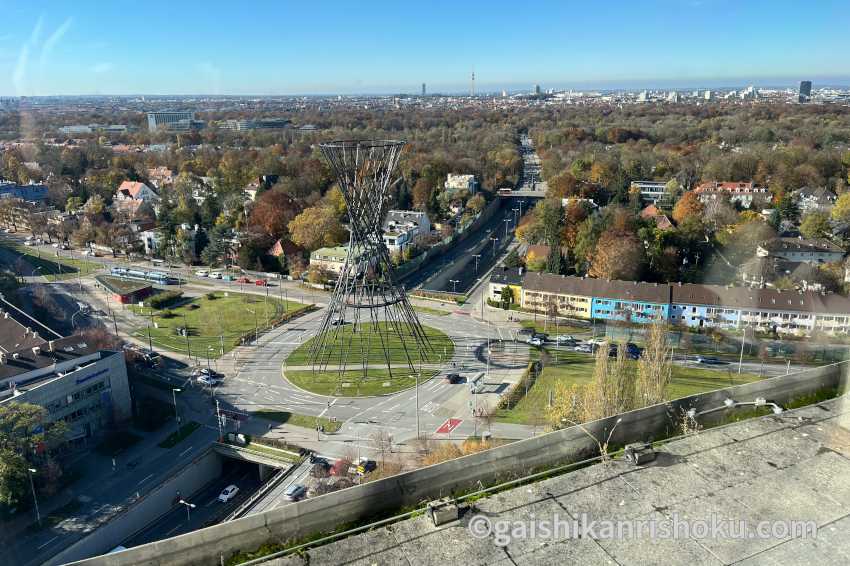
(371, 367)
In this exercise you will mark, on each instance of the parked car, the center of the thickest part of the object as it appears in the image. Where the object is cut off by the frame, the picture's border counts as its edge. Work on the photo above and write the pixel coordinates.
(454, 378)
(228, 493)
(202, 273)
(243, 280)
(565, 339)
(338, 321)
(295, 492)
(215, 275)
(226, 277)
(586, 348)
(261, 282)
(28, 242)
(535, 341)
(709, 360)
(525, 331)
(88, 252)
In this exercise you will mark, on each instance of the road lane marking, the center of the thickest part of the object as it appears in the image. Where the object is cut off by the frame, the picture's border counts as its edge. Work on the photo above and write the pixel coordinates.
(146, 479)
(48, 542)
(184, 452)
(449, 426)
(172, 530)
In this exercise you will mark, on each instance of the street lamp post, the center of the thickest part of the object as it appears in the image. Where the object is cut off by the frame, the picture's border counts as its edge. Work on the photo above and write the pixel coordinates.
(494, 240)
(188, 506)
(174, 392)
(454, 283)
(741, 358)
(507, 224)
(34, 498)
(477, 257)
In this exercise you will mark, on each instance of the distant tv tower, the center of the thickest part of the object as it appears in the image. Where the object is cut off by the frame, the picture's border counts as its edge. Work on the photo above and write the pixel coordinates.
(472, 84)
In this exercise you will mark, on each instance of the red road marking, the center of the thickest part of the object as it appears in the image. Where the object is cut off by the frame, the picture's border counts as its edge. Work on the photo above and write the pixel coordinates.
(449, 426)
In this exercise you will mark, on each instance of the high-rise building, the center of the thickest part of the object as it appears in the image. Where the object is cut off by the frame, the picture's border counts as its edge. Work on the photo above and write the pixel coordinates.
(707, 95)
(537, 90)
(423, 89)
(805, 91)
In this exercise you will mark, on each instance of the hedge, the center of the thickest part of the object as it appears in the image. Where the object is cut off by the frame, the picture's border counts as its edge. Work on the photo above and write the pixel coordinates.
(163, 299)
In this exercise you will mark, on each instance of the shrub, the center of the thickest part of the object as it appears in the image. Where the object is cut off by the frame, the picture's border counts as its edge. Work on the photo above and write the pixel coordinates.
(211, 296)
(167, 314)
(163, 299)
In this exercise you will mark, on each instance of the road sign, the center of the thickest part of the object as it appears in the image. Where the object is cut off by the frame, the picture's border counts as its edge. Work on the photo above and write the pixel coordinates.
(449, 426)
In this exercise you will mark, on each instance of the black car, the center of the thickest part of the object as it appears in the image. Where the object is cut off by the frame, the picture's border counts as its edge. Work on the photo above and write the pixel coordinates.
(454, 378)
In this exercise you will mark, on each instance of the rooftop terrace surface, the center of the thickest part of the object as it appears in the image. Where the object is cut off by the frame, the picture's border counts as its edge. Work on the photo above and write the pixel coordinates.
(776, 469)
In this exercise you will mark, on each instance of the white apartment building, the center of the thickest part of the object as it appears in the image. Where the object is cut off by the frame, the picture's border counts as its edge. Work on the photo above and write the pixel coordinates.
(403, 227)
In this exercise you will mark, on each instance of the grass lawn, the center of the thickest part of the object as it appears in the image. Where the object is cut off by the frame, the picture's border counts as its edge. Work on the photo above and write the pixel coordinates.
(53, 268)
(578, 368)
(176, 437)
(285, 417)
(272, 452)
(351, 383)
(429, 310)
(548, 327)
(366, 343)
(210, 320)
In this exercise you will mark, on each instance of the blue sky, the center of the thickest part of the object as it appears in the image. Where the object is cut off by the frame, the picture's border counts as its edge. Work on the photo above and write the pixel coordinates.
(283, 47)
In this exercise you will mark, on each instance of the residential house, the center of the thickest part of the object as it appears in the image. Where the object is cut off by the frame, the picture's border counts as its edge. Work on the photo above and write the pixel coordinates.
(744, 193)
(403, 227)
(660, 219)
(819, 199)
(456, 183)
(649, 191)
(161, 176)
(330, 259)
(800, 249)
(131, 194)
(510, 277)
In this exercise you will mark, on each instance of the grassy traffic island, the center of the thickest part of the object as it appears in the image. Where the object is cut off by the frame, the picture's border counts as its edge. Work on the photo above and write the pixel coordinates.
(573, 367)
(211, 324)
(365, 344)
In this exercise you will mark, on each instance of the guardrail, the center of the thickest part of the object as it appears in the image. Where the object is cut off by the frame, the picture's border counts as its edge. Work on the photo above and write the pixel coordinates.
(273, 482)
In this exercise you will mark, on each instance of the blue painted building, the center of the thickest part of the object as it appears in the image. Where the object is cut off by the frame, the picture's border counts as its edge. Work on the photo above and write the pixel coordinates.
(630, 300)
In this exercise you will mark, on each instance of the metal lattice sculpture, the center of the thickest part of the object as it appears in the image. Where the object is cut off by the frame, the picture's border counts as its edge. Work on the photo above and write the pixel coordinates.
(367, 313)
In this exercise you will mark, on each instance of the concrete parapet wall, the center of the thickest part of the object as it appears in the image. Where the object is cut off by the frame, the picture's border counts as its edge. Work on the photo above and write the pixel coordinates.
(325, 513)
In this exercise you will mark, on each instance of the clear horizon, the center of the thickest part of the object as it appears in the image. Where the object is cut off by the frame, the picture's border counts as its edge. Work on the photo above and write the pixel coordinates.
(50, 47)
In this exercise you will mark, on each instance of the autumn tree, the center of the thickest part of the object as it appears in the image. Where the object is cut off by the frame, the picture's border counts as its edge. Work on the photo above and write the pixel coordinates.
(689, 206)
(315, 227)
(618, 255)
(841, 210)
(273, 212)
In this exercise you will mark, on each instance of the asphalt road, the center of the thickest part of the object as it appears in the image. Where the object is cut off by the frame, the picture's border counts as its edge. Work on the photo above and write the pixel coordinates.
(208, 509)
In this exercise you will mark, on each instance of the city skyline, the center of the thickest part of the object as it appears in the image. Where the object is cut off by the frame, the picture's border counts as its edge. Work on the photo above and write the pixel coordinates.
(52, 48)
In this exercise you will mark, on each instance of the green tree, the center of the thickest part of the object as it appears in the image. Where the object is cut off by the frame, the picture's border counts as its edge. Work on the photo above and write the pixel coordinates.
(815, 225)
(507, 297)
(26, 441)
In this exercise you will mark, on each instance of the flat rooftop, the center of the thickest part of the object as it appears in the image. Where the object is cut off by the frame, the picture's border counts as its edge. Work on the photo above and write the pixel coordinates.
(790, 467)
